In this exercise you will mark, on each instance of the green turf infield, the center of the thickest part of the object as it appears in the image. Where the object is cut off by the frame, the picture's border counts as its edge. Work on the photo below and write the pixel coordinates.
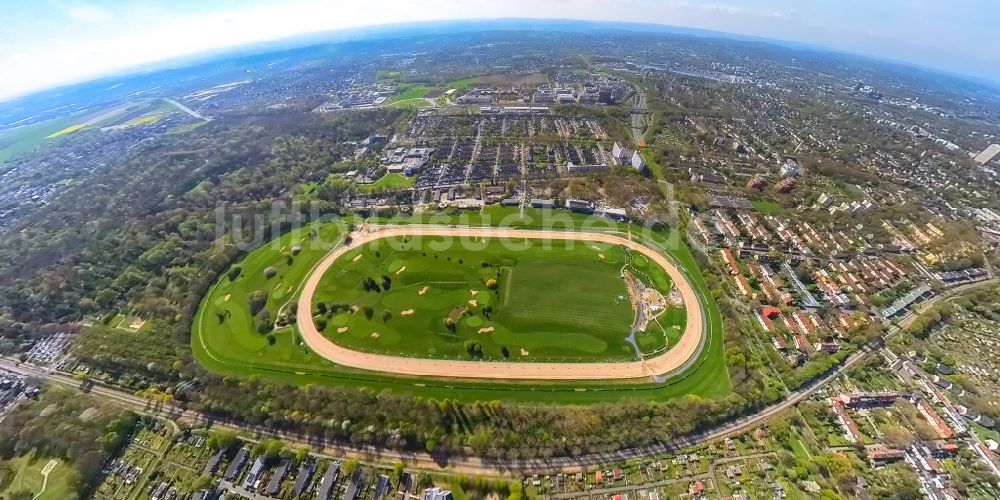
(232, 346)
(559, 301)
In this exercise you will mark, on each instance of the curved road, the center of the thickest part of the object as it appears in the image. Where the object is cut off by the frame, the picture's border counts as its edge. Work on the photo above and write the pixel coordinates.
(660, 365)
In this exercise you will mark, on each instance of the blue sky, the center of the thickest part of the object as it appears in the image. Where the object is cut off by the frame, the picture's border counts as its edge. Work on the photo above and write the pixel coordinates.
(44, 43)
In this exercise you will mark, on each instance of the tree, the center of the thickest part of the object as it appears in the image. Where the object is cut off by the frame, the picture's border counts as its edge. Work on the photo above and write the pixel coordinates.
(202, 483)
(350, 466)
(235, 272)
(492, 284)
(270, 272)
(386, 316)
(222, 441)
(474, 348)
(257, 300)
(836, 465)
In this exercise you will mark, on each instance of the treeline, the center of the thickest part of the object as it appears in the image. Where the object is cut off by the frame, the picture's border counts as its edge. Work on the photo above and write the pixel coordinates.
(489, 429)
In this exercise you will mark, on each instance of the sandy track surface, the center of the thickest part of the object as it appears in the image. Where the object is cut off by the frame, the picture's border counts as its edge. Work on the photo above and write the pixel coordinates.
(662, 364)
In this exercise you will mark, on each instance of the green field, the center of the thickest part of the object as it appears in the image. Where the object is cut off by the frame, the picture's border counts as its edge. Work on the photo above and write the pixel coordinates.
(387, 182)
(563, 303)
(26, 476)
(234, 347)
(23, 139)
(768, 207)
(460, 84)
(408, 91)
(68, 130)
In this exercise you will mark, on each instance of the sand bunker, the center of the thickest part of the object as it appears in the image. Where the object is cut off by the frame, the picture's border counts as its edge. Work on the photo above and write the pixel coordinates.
(473, 303)
(487, 329)
(523, 352)
(356, 258)
(406, 312)
(342, 329)
(400, 270)
(600, 256)
(374, 335)
(226, 298)
(473, 292)
(423, 290)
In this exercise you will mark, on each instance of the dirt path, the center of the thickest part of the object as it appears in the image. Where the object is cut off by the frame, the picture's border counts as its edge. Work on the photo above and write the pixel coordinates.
(665, 363)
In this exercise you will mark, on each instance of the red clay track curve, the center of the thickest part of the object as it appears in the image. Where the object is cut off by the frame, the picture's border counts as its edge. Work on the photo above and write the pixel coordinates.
(662, 364)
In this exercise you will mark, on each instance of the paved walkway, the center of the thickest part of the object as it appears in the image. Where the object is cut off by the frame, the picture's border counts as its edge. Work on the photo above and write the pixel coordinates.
(667, 362)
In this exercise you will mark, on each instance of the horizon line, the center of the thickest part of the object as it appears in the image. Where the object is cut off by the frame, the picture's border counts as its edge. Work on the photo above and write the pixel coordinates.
(200, 57)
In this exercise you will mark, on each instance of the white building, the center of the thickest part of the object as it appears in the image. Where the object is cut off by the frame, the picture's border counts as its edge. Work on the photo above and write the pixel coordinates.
(638, 162)
(790, 168)
(987, 154)
(619, 152)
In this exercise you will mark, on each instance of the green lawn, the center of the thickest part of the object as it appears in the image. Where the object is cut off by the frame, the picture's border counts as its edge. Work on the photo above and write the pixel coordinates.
(388, 182)
(409, 91)
(26, 471)
(767, 207)
(564, 303)
(416, 102)
(233, 347)
(460, 84)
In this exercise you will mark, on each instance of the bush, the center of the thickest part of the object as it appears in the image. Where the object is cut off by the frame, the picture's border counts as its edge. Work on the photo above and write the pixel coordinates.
(235, 272)
(492, 284)
(473, 348)
(257, 300)
(270, 272)
(271, 339)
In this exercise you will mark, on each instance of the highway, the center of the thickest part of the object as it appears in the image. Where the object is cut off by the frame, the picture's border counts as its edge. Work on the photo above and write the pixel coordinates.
(474, 465)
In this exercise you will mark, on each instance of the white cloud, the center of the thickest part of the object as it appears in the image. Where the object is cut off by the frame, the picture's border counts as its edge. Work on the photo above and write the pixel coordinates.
(87, 41)
(89, 13)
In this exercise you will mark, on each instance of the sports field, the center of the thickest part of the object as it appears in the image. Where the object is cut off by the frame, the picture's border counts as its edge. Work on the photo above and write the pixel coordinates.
(234, 347)
(551, 300)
